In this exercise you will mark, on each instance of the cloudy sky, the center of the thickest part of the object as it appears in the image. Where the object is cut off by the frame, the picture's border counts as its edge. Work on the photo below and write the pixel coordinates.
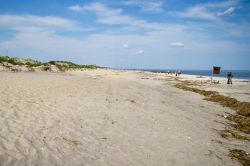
(156, 34)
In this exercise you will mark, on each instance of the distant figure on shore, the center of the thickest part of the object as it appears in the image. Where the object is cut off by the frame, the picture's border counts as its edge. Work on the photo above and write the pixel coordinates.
(229, 78)
(179, 73)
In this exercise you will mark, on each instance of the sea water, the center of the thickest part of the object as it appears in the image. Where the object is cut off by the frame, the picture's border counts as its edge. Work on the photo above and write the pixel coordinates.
(241, 74)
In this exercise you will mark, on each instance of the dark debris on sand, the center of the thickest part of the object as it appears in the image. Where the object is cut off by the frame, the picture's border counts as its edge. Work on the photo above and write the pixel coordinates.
(241, 119)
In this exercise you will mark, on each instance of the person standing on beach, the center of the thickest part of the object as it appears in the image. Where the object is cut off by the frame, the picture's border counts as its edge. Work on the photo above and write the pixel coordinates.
(229, 78)
(179, 72)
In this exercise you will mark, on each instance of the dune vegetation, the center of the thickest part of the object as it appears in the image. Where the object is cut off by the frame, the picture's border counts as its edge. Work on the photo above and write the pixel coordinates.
(61, 65)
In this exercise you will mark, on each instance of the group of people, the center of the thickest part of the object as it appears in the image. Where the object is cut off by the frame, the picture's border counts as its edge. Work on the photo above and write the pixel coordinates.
(176, 73)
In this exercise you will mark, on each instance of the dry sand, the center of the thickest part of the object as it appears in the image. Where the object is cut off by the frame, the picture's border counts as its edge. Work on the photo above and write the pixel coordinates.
(106, 117)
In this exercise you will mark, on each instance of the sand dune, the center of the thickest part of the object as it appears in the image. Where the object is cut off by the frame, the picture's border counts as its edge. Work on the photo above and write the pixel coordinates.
(106, 117)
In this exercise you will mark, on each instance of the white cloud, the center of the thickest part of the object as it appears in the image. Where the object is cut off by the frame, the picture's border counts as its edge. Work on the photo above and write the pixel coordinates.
(96, 7)
(106, 15)
(111, 16)
(33, 23)
(220, 4)
(125, 46)
(177, 44)
(228, 11)
(146, 5)
(198, 12)
(152, 6)
(208, 11)
(140, 52)
(76, 8)
(51, 21)
(116, 19)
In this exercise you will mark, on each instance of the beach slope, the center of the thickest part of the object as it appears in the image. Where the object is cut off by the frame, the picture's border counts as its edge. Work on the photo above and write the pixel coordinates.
(107, 117)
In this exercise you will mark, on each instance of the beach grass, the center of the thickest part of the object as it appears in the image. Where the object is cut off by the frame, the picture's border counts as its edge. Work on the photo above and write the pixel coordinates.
(61, 65)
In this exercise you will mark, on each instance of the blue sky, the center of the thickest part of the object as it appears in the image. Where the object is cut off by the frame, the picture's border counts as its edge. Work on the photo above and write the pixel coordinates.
(156, 34)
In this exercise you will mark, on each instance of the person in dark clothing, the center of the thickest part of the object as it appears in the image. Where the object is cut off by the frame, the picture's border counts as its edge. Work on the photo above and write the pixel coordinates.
(179, 72)
(229, 78)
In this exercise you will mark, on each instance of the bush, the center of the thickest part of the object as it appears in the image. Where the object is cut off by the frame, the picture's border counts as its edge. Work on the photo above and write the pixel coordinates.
(52, 62)
(35, 64)
(65, 65)
(10, 60)
(3, 59)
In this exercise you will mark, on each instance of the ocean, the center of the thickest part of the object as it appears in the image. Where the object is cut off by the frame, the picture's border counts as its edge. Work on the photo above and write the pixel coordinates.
(240, 74)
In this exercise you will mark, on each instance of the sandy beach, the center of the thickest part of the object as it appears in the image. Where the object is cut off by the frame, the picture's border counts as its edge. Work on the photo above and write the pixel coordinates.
(110, 117)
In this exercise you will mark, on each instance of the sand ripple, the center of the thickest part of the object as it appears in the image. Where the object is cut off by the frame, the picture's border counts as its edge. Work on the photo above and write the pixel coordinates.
(116, 119)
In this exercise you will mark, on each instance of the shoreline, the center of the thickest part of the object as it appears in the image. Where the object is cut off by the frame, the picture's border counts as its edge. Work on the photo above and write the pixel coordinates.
(165, 72)
(214, 77)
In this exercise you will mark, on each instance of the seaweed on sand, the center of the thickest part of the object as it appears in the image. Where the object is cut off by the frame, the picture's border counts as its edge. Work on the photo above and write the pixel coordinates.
(241, 156)
(242, 116)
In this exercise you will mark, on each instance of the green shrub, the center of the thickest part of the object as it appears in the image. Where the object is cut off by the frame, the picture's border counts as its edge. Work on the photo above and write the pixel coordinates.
(3, 59)
(62, 67)
(10, 60)
(35, 64)
(52, 62)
